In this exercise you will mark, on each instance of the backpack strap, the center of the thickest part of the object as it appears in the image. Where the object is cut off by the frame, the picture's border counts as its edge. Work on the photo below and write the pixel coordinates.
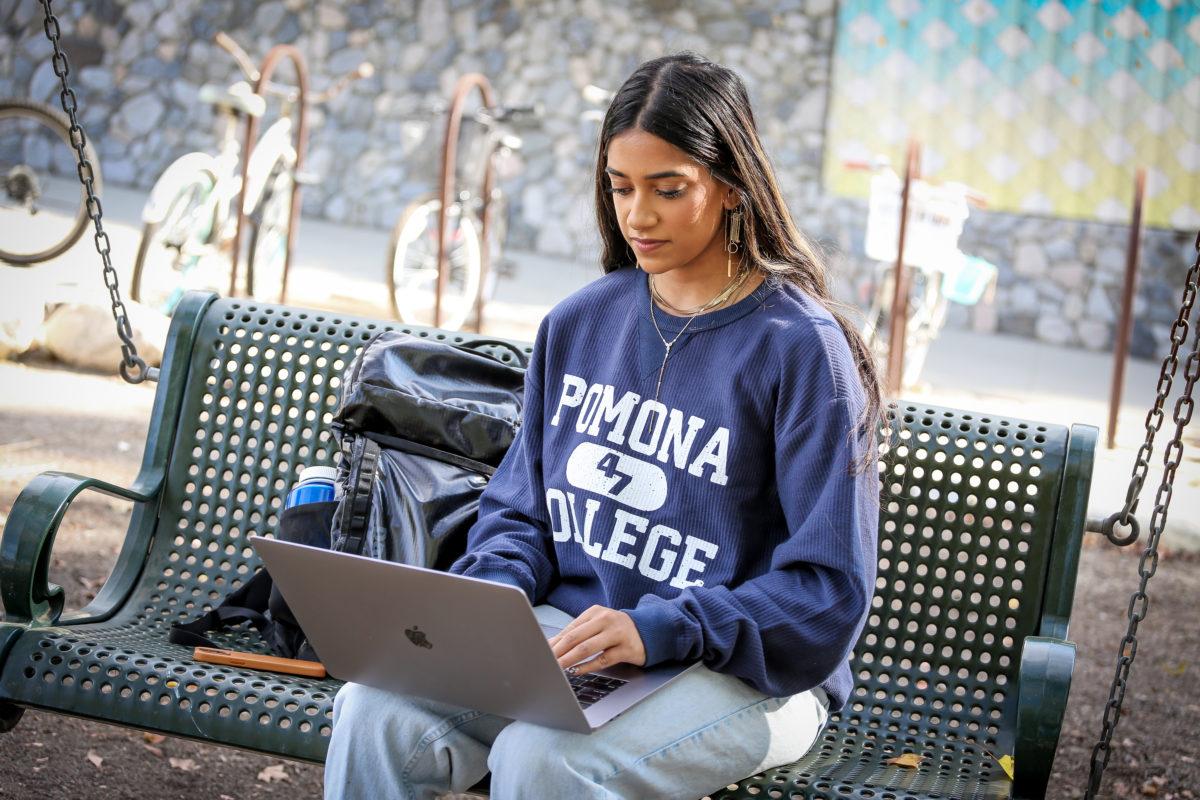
(418, 449)
(246, 604)
(479, 345)
(356, 505)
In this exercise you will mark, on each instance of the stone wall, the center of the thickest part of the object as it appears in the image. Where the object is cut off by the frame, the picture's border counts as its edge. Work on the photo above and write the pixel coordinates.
(137, 66)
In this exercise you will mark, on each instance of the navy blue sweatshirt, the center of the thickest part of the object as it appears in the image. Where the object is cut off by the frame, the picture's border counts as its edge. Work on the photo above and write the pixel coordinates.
(731, 517)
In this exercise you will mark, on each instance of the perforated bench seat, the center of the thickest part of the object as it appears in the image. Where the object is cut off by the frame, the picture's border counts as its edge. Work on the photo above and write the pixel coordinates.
(964, 658)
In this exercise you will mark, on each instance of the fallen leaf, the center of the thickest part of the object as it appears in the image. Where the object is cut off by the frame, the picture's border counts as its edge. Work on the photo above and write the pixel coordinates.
(185, 764)
(1151, 787)
(1006, 763)
(95, 758)
(911, 760)
(1176, 671)
(154, 738)
(156, 751)
(275, 772)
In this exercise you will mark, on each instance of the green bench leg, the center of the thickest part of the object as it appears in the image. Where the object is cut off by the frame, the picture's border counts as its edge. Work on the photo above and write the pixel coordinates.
(10, 714)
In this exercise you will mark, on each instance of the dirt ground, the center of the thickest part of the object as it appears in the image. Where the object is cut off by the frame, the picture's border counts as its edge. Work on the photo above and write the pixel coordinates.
(53, 418)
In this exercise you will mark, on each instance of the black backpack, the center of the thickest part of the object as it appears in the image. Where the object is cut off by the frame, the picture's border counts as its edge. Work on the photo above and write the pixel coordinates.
(422, 426)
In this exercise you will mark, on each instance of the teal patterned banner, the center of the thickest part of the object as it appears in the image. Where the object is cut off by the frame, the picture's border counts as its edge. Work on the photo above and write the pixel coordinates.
(1047, 107)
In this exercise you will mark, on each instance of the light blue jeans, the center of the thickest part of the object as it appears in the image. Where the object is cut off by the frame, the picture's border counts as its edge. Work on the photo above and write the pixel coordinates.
(700, 733)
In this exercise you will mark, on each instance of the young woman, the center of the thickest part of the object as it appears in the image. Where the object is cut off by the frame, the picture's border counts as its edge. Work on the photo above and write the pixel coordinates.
(694, 480)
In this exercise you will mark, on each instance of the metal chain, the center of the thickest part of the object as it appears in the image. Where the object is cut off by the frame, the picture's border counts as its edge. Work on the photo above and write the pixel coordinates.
(1154, 420)
(1158, 519)
(133, 368)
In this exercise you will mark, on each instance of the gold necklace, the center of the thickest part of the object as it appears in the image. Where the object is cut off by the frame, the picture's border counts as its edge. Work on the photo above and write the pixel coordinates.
(733, 287)
(724, 295)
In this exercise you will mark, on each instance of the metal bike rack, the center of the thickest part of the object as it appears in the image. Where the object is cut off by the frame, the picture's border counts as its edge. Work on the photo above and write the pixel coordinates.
(903, 282)
(472, 80)
(1124, 334)
(300, 141)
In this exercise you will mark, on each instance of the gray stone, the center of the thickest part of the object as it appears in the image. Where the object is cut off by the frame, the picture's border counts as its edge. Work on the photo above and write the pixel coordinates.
(1023, 297)
(1111, 261)
(153, 69)
(44, 85)
(433, 19)
(170, 24)
(1030, 260)
(345, 61)
(1099, 307)
(1095, 334)
(1142, 343)
(120, 171)
(1061, 249)
(1018, 322)
(140, 115)
(270, 16)
(1073, 307)
(1069, 275)
(331, 17)
(70, 335)
(726, 31)
(759, 18)
(97, 78)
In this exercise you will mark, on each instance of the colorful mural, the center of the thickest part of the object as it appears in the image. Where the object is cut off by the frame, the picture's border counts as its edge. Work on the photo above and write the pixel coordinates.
(1046, 106)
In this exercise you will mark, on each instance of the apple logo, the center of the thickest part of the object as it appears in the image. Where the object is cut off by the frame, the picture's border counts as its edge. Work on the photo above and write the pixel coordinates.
(417, 637)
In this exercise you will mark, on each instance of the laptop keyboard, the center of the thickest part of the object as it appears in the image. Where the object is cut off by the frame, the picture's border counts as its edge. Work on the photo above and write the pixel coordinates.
(593, 687)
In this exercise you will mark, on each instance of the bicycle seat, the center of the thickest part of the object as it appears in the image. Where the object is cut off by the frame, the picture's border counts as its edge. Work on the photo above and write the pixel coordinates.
(239, 97)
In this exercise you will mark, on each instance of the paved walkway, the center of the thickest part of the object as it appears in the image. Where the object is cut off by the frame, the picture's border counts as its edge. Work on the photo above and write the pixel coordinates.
(342, 269)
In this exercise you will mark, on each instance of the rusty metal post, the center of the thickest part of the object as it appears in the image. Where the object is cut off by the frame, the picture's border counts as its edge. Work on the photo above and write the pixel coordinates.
(1125, 322)
(466, 83)
(300, 141)
(903, 285)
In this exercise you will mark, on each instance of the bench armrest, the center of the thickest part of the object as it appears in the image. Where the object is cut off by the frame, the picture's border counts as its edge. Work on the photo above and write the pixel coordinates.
(1044, 684)
(27, 594)
(25, 590)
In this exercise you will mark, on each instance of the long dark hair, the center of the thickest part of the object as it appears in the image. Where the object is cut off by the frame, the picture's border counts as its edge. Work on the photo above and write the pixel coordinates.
(703, 109)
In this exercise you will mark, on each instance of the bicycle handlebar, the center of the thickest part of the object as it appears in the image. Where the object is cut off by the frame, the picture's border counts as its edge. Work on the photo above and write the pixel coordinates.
(511, 113)
(239, 55)
(364, 70)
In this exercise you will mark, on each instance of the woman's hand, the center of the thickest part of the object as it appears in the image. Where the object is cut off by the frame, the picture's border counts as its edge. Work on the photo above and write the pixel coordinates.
(607, 634)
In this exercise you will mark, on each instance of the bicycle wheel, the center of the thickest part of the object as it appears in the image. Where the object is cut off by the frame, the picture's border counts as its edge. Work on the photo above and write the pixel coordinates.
(412, 265)
(43, 206)
(174, 255)
(269, 236)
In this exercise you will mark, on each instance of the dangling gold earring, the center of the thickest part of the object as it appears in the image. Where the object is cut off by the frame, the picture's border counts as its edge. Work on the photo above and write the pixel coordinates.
(733, 238)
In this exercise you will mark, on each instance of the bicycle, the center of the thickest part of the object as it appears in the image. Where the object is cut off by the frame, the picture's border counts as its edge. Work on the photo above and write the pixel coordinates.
(190, 218)
(411, 268)
(43, 206)
(940, 272)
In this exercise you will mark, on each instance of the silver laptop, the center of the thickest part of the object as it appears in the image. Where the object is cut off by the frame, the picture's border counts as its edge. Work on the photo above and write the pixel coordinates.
(465, 641)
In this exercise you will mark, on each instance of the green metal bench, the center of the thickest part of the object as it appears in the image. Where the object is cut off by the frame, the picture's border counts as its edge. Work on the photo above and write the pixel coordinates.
(964, 658)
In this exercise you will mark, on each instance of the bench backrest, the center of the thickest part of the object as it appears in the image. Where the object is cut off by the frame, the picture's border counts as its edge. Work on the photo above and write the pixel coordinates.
(967, 560)
(968, 511)
(263, 385)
